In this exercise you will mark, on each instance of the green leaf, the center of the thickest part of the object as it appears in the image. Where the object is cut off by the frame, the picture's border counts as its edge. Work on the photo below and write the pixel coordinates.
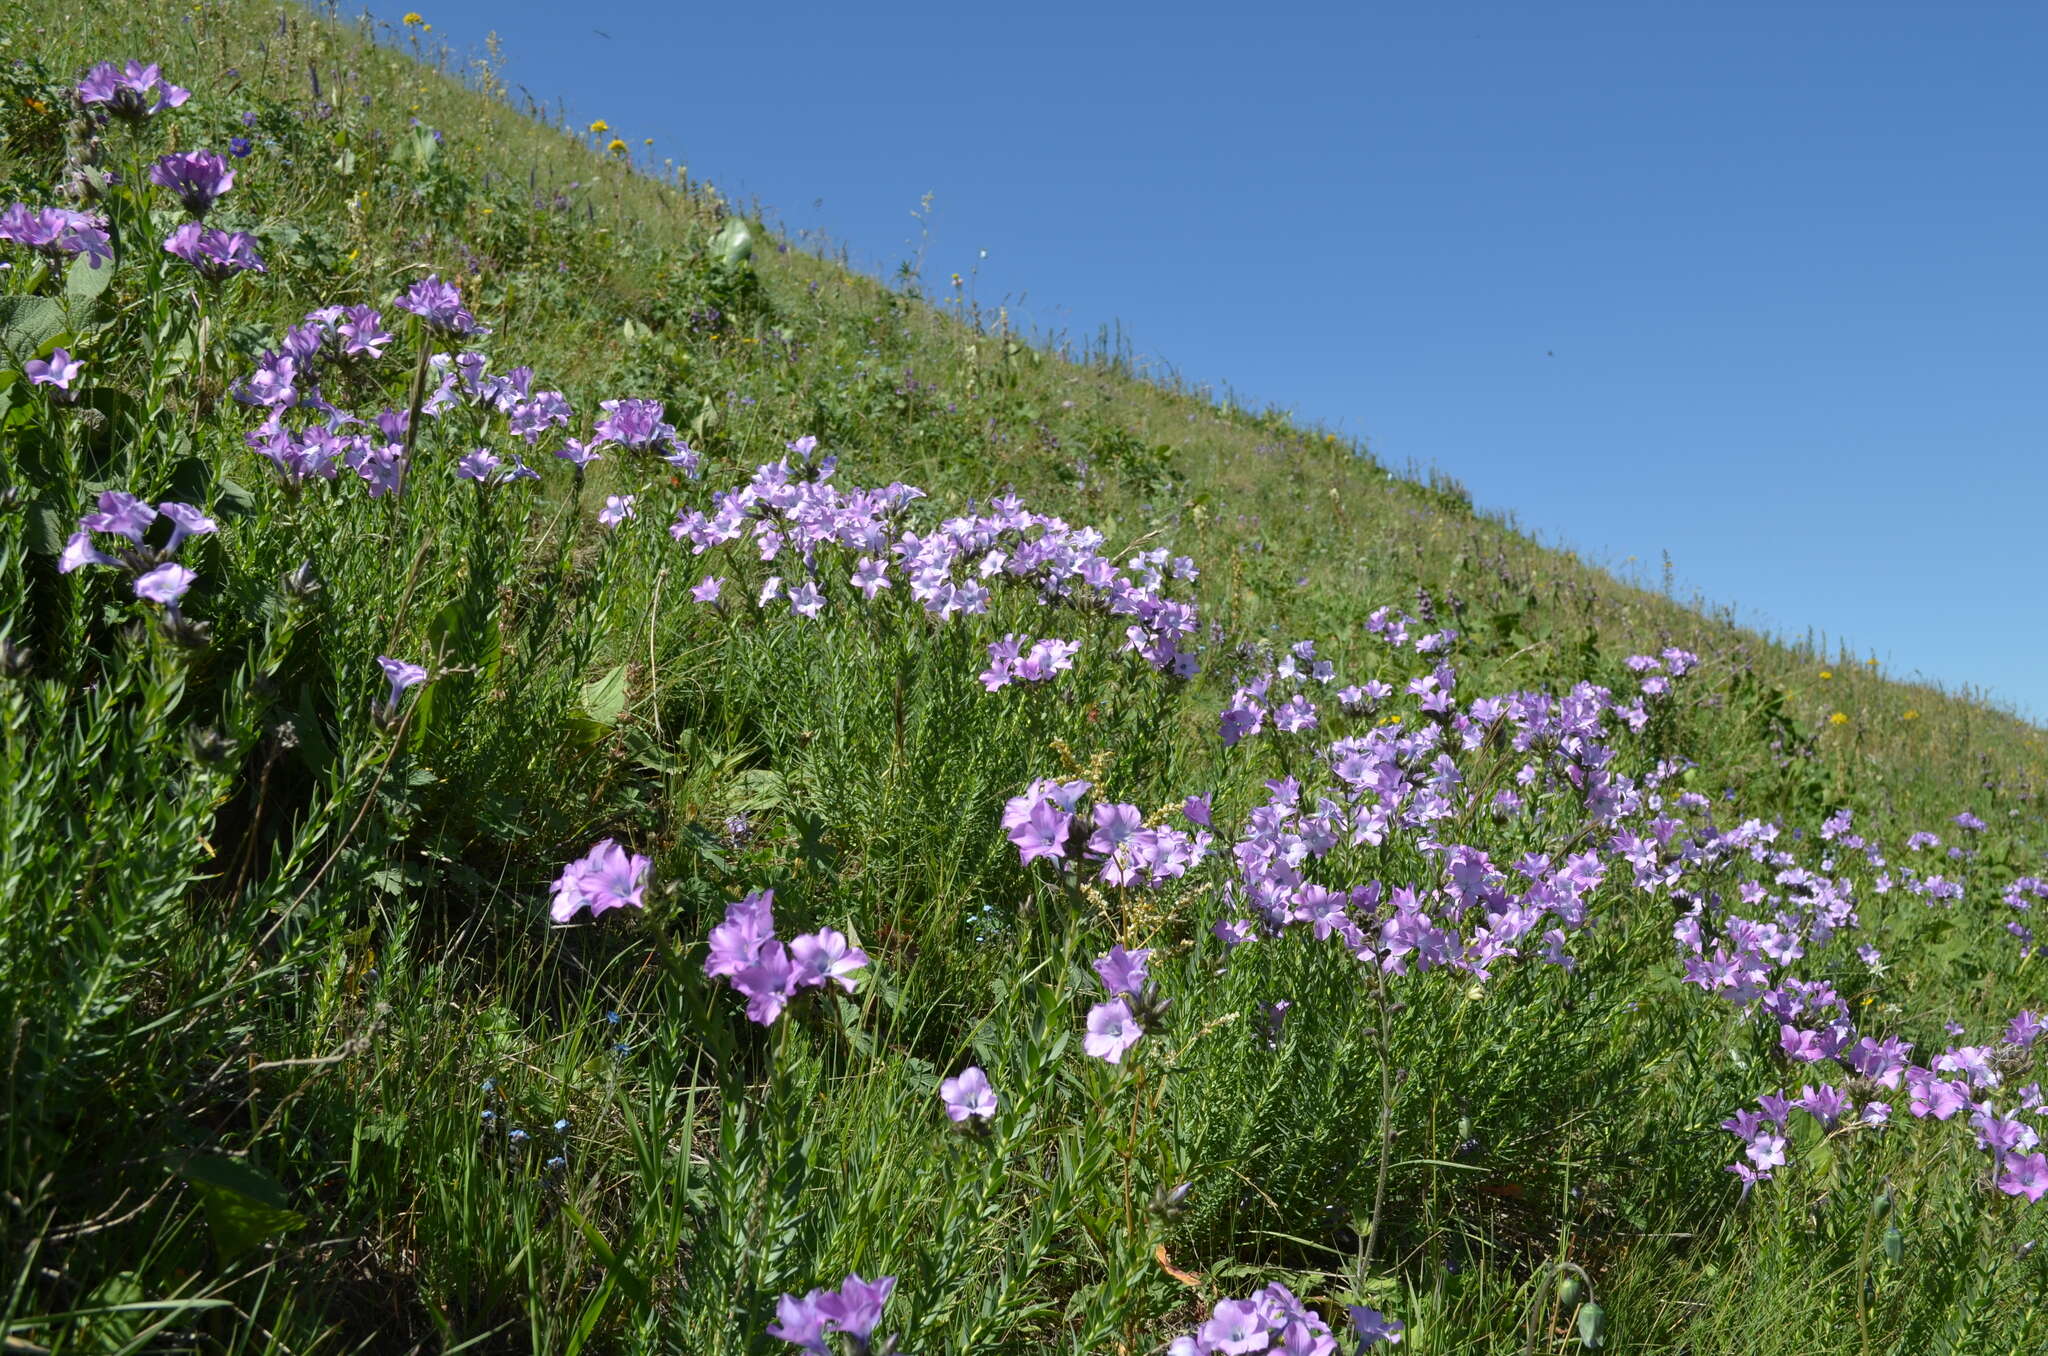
(26, 324)
(84, 282)
(243, 1207)
(604, 699)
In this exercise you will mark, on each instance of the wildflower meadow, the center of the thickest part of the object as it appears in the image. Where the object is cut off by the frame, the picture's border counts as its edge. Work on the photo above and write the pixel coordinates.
(579, 777)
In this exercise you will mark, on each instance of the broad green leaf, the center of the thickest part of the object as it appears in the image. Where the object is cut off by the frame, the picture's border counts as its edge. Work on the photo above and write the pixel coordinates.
(243, 1207)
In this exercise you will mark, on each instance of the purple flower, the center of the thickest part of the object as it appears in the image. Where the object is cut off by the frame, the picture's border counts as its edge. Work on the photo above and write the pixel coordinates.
(1197, 809)
(362, 331)
(580, 454)
(165, 584)
(479, 465)
(1235, 1326)
(121, 514)
(57, 233)
(606, 877)
(133, 93)
(2025, 1175)
(632, 423)
(1121, 971)
(238, 147)
(439, 304)
(1111, 1031)
(79, 552)
(60, 370)
(968, 1095)
(2024, 1030)
(801, 1322)
(198, 178)
(1371, 1326)
(749, 925)
(401, 676)
(823, 955)
(768, 983)
(806, 601)
(617, 509)
(857, 1306)
(707, 592)
(215, 255)
(870, 576)
(186, 521)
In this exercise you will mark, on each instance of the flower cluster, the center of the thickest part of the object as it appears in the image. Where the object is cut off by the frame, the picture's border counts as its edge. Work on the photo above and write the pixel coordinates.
(214, 255)
(131, 93)
(606, 877)
(967, 1096)
(1009, 661)
(122, 521)
(58, 233)
(1274, 1320)
(747, 954)
(852, 1310)
(197, 178)
(439, 305)
(1121, 847)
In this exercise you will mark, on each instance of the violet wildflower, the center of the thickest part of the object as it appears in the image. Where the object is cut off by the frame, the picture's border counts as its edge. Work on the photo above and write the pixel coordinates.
(2024, 1030)
(121, 514)
(401, 676)
(362, 332)
(1121, 971)
(1371, 1326)
(805, 600)
(749, 925)
(480, 465)
(215, 255)
(632, 423)
(707, 592)
(165, 584)
(2025, 1175)
(1111, 1031)
(968, 1095)
(131, 93)
(186, 521)
(59, 370)
(856, 1307)
(825, 955)
(58, 233)
(617, 509)
(80, 552)
(439, 304)
(580, 454)
(801, 1322)
(197, 178)
(768, 983)
(239, 147)
(606, 877)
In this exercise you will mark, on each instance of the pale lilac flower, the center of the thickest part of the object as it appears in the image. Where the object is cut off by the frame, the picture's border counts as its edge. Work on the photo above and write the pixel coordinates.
(801, 1322)
(768, 983)
(857, 1306)
(1111, 1031)
(2024, 1030)
(165, 584)
(479, 465)
(362, 332)
(1235, 1326)
(2025, 1175)
(968, 1095)
(80, 552)
(1121, 971)
(401, 676)
(59, 370)
(121, 514)
(186, 521)
(606, 877)
(58, 233)
(707, 592)
(1371, 1326)
(824, 955)
(580, 454)
(617, 509)
(735, 943)
(632, 423)
(806, 601)
(870, 576)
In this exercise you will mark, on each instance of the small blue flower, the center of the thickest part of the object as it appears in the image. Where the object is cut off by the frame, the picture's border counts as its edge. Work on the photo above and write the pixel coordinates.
(518, 1138)
(562, 1126)
(490, 1116)
(490, 1086)
(240, 146)
(557, 1163)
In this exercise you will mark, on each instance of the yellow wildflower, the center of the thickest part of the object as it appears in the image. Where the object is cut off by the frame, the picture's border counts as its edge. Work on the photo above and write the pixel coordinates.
(616, 146)
(600, 127)
(1839, 718)
(1911, 715)
(413, 18)
(1825, 675)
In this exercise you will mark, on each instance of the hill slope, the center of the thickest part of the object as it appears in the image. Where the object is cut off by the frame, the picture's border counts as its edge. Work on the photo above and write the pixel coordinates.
(1257, 821)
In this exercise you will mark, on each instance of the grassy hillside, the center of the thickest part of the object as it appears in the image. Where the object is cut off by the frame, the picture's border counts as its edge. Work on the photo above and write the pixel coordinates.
(452, 910)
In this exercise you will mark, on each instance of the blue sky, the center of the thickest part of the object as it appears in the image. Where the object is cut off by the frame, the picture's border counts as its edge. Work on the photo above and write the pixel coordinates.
(1763, 286)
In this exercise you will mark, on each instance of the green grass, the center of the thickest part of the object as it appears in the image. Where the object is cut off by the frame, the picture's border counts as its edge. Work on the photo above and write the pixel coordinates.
(262, 953)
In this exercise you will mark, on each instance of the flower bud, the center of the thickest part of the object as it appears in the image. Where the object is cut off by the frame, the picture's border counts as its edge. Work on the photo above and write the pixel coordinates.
(208, 745)
(1592, 1325)
(1880, 1206)
(1894, 1245)
(302, 583)
(16, 661)
(1570, 1290)
(1170, 1204)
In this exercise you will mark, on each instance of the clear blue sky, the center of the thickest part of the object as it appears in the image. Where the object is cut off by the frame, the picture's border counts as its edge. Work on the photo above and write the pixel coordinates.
(1760, 285)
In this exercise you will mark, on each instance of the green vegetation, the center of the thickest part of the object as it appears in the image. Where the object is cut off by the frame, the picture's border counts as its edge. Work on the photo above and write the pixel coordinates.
(289, 1032)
